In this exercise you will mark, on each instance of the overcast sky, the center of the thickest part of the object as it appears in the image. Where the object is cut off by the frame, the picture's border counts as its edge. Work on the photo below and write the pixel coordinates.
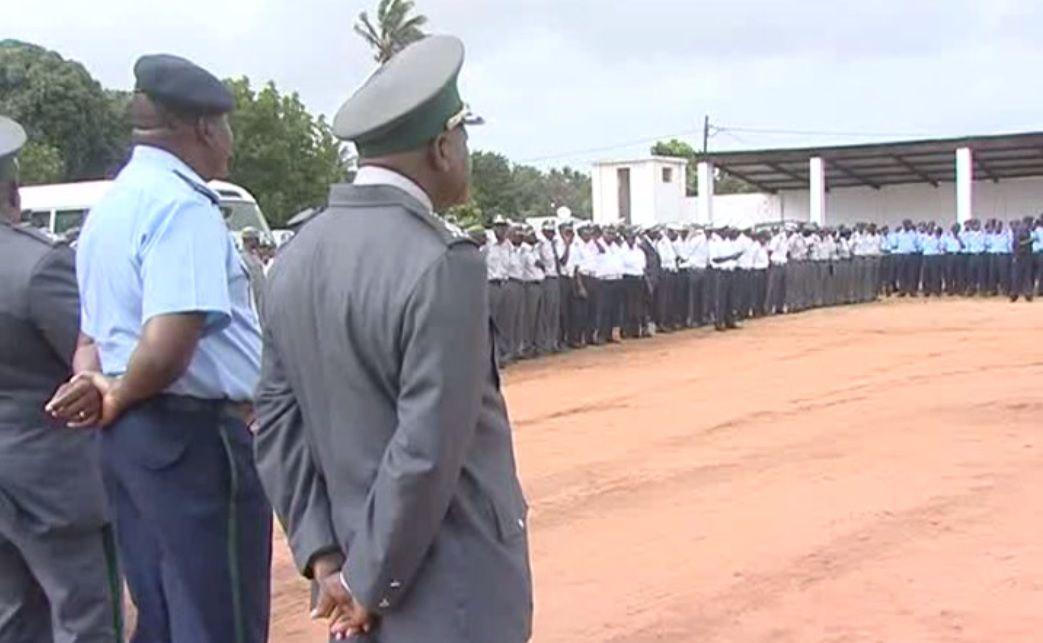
(570, 81)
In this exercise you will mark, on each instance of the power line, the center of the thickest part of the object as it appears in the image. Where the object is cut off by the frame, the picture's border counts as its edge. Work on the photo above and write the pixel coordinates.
(606, 148)
(757, 130)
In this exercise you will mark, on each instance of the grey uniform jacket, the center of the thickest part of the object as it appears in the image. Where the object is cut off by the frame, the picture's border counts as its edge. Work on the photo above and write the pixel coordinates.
(382, 431)
(50, 477)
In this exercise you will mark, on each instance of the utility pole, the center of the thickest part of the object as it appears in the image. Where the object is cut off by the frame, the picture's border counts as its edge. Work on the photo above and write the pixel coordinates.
(706, 134)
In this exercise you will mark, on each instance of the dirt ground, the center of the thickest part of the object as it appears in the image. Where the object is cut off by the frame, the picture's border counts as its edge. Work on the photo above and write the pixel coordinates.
(867, 473)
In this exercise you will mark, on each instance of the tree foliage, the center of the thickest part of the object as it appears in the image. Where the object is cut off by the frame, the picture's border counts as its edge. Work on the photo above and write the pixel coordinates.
(285, 156)
(77, 129)
(395, 28)
(723, 183)
(521, 191)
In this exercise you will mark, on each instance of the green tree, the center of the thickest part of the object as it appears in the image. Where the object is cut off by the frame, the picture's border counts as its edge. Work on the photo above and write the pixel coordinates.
(491, 185)
(395, 28)
(285, 156)
(569, 188)
(40, 163)
(63, 110)
(723, 182)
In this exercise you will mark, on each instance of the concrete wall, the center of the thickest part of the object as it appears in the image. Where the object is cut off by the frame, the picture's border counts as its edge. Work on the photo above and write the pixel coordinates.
(1007, 200)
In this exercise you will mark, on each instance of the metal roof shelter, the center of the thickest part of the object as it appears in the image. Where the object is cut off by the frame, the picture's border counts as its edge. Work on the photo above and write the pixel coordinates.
(961, 161)
(1005, 156)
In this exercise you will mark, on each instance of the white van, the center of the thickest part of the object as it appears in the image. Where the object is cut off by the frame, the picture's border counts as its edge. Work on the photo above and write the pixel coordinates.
(59, 208)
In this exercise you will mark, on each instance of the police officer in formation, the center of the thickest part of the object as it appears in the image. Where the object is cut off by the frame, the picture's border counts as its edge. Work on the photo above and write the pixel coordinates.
(58, 571)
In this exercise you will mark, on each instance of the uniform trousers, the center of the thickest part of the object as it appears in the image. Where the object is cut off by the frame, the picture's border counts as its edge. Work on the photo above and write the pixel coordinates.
(723, 283)
(593, 286)
(59, 585)
(887, 274)
(795, 276)
(908, 274)
(193, 525)
(531, 320)
(579, 304)
(1037, 272)
(513, 305)
(548, 330)
(951, 274)
(1021, 277)
(664, 300)
(610, 305)
(699, 288)
(975, 264)
(565, 323)
(502, 319)
(776, 297)
(679, 317)
(933, 269)
(633, 306)
(759, 290)
(999, 273)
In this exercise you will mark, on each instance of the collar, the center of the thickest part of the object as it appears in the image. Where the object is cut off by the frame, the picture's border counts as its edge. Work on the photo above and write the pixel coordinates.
(156, 157)
(375, 175)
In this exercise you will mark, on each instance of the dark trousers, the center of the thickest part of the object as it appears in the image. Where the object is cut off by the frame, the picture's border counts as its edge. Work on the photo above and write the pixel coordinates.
(193, 526)
(634, 304)
(975, 274)
(499, 310)
(679, 317)
(759, 291)
(908, 274)
(887, 274)
(579, 304)
(775, 297)
(998, 273)
(1021, 277)
(593, 308)
(610, 303)
(951, 274)
(565, 285)
(699, 288)
(933, 267)
(664, 300)
(723, 288)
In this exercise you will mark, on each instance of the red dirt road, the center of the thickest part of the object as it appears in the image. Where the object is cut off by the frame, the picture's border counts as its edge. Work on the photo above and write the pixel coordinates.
(867, 473)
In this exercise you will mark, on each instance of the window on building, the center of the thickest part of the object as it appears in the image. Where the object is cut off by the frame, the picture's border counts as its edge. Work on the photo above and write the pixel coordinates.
(668, 175)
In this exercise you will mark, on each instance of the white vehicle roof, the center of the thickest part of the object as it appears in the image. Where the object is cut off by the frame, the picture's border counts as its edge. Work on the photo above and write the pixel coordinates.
(85, 194)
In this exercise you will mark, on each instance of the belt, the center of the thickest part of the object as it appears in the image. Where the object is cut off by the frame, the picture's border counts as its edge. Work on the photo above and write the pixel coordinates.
(497, 282)
(551, 277)
(243, 411)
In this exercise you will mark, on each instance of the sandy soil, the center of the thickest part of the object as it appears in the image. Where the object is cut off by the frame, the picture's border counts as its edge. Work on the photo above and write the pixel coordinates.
(858, 474)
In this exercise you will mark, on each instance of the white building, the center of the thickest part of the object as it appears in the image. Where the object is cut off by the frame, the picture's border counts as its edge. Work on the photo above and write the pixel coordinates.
(943, 180)
(639, 192)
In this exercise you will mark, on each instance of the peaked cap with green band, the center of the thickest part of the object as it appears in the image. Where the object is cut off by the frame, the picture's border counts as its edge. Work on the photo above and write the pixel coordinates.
(12, 138)
(408, 101)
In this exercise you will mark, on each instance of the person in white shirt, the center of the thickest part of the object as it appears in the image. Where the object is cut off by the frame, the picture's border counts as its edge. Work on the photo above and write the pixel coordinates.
(548, 326)
(532, 278)
(798, 271)
(683, 292)
(634, 286)
(515, 293)
(573, 255)
(759, 280)
(563, 245)
(778, 260)
(586, 312)
(701, 296)
(666, 289)
(610, 284)
(502, 304)
(742, 288)
(724, 257)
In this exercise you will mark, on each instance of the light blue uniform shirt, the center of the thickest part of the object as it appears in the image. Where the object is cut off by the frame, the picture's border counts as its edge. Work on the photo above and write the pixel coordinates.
(931, 245)
(156, 244)
(907, 242)
(951, 244)
(1037, 240)
(997, 243)
(973, 241)
(891, 242)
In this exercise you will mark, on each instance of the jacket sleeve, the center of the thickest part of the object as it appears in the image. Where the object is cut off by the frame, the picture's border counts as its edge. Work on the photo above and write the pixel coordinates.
(283, 453)
(444, 343)
(54, 301)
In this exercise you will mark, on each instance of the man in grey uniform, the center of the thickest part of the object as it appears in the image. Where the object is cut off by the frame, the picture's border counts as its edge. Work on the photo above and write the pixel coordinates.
(58, 580)
(383, 439)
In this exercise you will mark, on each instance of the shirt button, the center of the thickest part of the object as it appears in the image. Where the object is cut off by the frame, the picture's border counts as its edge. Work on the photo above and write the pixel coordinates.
(521, 523)
(395, 584)
(384, 604)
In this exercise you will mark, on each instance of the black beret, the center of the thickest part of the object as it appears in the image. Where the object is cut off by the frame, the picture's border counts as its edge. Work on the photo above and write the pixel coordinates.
(182, 85)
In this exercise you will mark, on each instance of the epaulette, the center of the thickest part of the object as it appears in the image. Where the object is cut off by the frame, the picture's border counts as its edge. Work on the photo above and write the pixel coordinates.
(210, 196)
(450, 233)
(37, 234)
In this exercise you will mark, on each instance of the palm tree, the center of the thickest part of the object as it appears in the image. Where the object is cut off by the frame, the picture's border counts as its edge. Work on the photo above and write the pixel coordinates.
(395, 28)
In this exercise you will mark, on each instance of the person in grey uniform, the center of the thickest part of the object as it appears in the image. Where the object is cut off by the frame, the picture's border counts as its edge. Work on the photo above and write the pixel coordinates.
(58, 578)
(383, 439)
(549, 332)
(254, 267)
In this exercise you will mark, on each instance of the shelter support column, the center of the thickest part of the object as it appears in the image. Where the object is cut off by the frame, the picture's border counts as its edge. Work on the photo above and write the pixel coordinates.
(817, 187)
(964, 184)
(704, 200)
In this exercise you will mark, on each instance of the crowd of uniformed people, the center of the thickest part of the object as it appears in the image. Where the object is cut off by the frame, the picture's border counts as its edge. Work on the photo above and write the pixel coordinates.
(575, 284)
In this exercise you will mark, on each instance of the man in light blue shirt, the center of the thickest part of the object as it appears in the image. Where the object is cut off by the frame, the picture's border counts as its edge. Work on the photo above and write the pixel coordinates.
(166, 300)
(973, 240)
(952, 248)
(907, 247)
(998, 251)
(931, 245)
